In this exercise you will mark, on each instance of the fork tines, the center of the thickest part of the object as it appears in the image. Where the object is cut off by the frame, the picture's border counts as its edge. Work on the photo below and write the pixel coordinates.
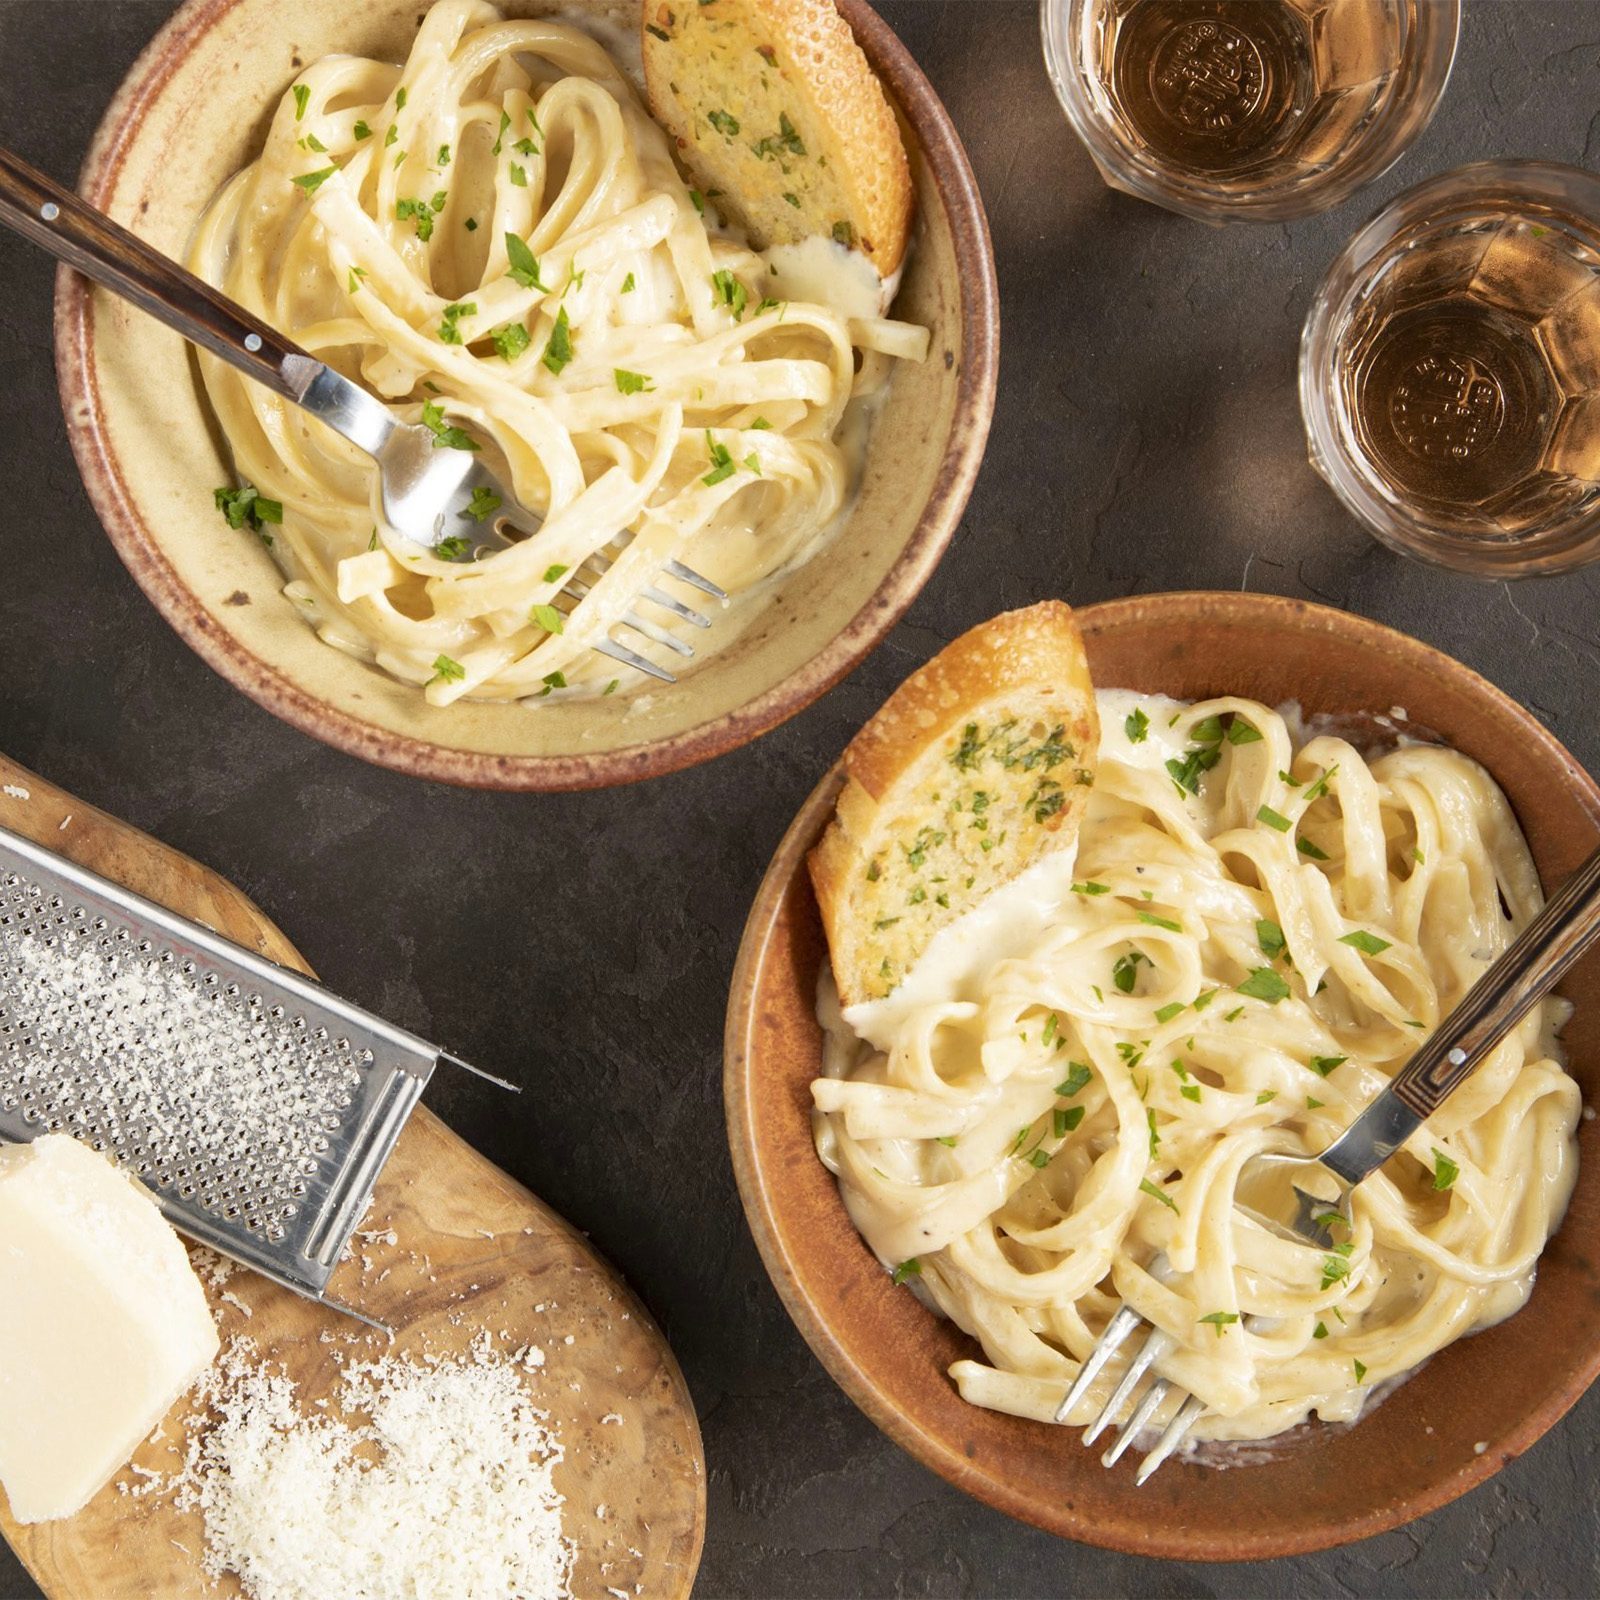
(596, 567)
(1116, 1334)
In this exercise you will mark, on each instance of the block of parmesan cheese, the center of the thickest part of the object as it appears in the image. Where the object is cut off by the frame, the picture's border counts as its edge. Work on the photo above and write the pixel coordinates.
(103, 1324)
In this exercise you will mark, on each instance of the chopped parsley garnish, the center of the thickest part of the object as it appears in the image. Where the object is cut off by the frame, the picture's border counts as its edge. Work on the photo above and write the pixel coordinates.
(442, 160)
(1191, 1091)
(1124, 971)
(628, 284)
(1320, 1331)
(390, 137)
(730, 292)
(631, 382)
(1156, 1193)
(784, 142)
(1155, 1136)
(1265, 1096)
(1265, 984)
(1091, 888)
(1220, 1320)
(356, 275)
(1361, 1370)
(1038, 1159)
(505, 124)
(447, 670)
(948, 1140)
(1065, 1122)
(558, 350)
(523, 265)
(362, 131)
(1445, 1171)
(511, 340)
(1323, 1065)
(302, 94)
(444, 436)
(1306, 848)
(1273, 819)
(548, 618)
(1160, 922)
(1167, 1012)
(1137, 726)
(518, 176)
(698, 201)
(420, 212)
(1369, 944)
(1270, 937)
(759, 424)
(1203, 999)
(1077, 1078)
(450, 329)
(552, 680)
(907, 1269)
(312, 181)
(1050, 1027)
(484, 504)
(554, 571)
(1314, 1104)
(245, 508)
(1320, 787)
(792, 198)
(611, 687)
(722, 462)
(1208, 730)
(844, 233)
(727, 126)
(454, 548)
(1336, 1267)
(1242, 732)
(1186, 773)
(312, 142)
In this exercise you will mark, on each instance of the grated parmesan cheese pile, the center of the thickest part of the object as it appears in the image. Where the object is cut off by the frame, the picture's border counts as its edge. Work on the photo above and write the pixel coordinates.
(446, 1489)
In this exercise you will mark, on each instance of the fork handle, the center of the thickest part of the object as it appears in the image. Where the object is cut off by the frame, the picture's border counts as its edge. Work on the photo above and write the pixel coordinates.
(74, 232)
(1496, 1003)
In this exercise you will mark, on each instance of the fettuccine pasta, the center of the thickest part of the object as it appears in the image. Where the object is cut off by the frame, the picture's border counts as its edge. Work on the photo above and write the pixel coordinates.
(494, 239)
(1256, 934)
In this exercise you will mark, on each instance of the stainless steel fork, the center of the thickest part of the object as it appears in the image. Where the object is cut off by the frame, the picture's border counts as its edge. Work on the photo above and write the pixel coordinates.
(1303, 1198)
(437, 495)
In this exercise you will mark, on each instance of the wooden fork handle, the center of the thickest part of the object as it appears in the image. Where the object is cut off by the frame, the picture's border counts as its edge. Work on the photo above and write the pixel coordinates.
(58, 221)
(1566, 927)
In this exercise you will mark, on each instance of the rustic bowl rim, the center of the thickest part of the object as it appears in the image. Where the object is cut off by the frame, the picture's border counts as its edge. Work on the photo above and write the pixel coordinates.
(141, 552)
(756, 1183)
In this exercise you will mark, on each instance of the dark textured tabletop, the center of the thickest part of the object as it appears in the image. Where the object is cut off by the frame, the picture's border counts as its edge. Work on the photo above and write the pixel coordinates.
(1147, 437)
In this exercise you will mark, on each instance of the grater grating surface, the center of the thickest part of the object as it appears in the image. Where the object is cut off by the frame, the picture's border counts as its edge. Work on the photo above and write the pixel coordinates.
(256, 1106)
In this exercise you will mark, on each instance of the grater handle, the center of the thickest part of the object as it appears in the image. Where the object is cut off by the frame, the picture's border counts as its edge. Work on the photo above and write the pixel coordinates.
(71, 230)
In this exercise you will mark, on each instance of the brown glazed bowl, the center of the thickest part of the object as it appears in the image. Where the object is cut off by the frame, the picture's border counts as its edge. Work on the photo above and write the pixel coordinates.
(1469, 1411)
(191, 113)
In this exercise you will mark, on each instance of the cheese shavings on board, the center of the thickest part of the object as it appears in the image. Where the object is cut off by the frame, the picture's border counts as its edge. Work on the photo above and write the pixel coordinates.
(445, 1488)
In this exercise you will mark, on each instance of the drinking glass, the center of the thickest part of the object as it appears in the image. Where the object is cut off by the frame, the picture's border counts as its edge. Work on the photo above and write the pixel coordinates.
(1450, 370)
(1248, 110)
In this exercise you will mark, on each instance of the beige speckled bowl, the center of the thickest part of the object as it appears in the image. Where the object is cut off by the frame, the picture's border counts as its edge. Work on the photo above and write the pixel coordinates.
(192, 112)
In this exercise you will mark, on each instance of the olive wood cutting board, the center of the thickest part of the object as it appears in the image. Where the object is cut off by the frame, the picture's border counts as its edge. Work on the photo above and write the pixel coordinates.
(474, 1251)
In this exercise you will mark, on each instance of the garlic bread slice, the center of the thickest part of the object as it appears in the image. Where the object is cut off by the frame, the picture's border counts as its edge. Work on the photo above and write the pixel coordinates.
(979, 765)
(775, 111)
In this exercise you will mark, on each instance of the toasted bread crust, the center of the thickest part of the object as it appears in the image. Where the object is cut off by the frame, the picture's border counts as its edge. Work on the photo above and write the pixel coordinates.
(853, 173)
(981, 762)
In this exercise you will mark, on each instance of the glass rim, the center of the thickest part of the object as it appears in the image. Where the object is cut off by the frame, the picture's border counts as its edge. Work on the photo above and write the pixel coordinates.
(1397, 128)
(1391, 521)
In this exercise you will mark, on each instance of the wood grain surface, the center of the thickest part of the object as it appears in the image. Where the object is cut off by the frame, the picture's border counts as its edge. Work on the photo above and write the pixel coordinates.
(475, 1251)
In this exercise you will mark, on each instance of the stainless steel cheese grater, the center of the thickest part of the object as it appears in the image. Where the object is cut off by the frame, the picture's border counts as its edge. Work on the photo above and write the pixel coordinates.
(258, 1107)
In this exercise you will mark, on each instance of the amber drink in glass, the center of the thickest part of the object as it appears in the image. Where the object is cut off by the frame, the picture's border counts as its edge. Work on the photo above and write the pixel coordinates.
(1248, 109)
(1450, 370)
